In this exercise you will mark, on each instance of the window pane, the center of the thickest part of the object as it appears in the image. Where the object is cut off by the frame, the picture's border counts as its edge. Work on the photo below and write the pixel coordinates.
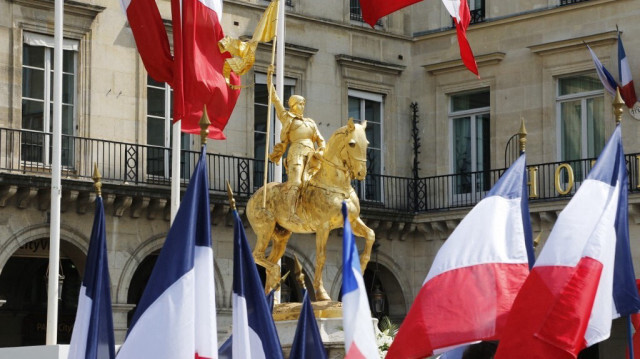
(373, 135)
(354, 108)
(67, 120)
(372, 111)
(67, 88)
(32, 115)
(68, 61)
(260, 118)
(462, 144)
(571, 130)
(155, 102)
(33, 56)
(578, 84)
(155, 131)
(33, 83)
(470, 101)
(260, 94)
(595, 126)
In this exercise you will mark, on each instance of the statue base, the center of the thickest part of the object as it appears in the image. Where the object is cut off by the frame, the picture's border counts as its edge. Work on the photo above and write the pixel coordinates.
(291, 311)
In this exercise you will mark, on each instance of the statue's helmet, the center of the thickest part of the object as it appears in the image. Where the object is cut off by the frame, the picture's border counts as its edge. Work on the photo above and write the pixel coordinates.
(295, 99)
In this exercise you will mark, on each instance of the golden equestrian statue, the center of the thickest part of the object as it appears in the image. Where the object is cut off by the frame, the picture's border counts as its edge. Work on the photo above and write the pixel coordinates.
(319, 180)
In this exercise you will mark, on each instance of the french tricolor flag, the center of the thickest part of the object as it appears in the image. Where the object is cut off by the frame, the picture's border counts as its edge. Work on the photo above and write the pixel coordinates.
(605, 76)
(627, 91)
(359, 338)
(584, 275)
(92, 336)
(475, 276)
(253, 331)
(176, 316)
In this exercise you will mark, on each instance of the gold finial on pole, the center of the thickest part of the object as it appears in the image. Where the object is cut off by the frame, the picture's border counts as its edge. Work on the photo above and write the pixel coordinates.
(298, 272)
(96, 180)
(618, 105)
(522, 136)
(232, 202)
(204, 126)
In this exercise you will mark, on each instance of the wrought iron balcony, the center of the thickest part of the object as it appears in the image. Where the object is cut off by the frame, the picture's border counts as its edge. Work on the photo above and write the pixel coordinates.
(26, 153)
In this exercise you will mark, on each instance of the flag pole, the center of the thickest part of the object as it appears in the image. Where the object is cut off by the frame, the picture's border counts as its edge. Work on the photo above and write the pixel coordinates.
(56, 187)
(618, 110)
(277, 175)
(266, 145)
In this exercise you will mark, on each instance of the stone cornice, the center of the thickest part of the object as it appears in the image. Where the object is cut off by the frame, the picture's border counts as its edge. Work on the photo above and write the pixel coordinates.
(456, 65)
(570, 44)
(70, 7)
(369, 65)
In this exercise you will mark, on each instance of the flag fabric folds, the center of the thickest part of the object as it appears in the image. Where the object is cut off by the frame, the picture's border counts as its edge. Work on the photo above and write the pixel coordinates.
(253, 330)
(459, 10)
(200, 62)
(475, 275)
(92, 336)
(151, 38)
(176, 316)
(605, 76)
(584, 276)
(627, 90)
(373, 10)
(359, 337)
(307, 343)
(195, 69)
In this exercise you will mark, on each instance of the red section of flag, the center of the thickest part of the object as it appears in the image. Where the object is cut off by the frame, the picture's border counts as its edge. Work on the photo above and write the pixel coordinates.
(635, 320)
(373, 10)
(151, 39)
(550, 315)
(461, 28)
(628, 93)
(459, 306)
(202, 80)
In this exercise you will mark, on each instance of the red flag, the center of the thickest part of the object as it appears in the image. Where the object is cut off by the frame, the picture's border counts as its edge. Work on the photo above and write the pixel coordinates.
(198, 67)
(459, 10)
(151, 38)
(373, 10)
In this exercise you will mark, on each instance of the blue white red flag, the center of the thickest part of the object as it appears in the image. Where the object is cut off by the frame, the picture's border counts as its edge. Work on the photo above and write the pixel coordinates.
(307, 343)
(627, 90)
(254, 332)
(92, 336)
(359, 337)
(584, 275)
(176, 316)
(605, 76)
(475, 276)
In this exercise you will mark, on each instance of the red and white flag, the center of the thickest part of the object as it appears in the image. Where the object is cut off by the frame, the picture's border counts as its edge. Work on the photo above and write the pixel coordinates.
(151, 38)
(373, 10)
(195, 69)
(198, 67)
(475, 276)
(627, 90)
(459, 10)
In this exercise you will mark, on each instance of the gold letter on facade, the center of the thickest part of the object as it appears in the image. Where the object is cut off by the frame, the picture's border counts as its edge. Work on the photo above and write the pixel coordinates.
(533, 182)
(569, 181)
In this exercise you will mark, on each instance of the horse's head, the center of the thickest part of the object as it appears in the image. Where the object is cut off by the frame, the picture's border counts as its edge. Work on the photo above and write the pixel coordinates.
(354, 154)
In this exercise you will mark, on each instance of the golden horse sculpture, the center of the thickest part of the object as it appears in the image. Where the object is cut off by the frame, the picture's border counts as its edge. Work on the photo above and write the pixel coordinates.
(319, 205)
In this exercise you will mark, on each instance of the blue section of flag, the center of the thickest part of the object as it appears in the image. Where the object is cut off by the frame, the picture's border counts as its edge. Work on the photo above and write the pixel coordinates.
(307, 343)
(191, 227)
(621, 55)
(246, 283)
(605, 76)
(625, 291)
(349, 255)
(100, 341)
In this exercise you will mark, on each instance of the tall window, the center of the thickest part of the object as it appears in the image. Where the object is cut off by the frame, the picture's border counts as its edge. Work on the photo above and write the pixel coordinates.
(580, 109)
(470, 121)
(369, 106)
(477, 10)
(261, 100)
(37, 98)
(159, 137)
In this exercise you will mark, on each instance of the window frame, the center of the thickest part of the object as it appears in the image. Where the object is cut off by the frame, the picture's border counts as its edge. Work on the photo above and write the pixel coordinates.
(364, 96)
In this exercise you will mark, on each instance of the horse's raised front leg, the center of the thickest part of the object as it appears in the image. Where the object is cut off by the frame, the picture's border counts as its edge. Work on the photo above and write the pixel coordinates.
(322, 234)
(272, 269)
(361, 230)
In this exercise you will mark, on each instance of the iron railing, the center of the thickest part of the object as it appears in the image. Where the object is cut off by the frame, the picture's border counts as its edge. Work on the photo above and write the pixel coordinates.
(27, 152)
(569, 2)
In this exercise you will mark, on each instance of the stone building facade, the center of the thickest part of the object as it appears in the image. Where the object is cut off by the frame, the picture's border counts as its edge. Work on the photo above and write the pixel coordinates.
(404, 77)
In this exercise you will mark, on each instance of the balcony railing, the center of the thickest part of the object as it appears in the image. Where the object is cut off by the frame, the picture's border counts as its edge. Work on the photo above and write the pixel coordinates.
(569, 2)
(26, 152)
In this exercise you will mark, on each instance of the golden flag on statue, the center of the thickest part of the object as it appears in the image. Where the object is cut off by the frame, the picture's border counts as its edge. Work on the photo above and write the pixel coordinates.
(244, 52)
